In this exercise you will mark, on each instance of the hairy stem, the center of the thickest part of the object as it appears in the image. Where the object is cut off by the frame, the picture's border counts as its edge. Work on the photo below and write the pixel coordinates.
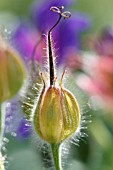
(51, 62)
(0, 126)
(2, 123)
(50, 50)
(56, 157)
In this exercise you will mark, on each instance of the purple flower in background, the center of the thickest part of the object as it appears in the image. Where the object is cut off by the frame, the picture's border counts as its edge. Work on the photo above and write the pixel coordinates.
(15, 124)
(67, 35)
(24, 129)
(24, 39)
(42, 16)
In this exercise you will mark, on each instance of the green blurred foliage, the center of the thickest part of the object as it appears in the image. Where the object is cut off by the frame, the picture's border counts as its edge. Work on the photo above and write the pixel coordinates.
(18, 7)
(22, 155)
(100, 11)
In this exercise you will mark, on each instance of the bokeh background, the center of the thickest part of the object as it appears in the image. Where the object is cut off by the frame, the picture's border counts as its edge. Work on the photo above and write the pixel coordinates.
(92, 67)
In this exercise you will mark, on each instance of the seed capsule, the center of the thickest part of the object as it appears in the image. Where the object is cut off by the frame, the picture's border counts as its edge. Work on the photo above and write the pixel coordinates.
(12, 72)
(57, 115)
(71, 113)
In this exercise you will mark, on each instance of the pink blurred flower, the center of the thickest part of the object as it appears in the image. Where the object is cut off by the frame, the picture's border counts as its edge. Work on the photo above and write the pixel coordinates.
(97, 78)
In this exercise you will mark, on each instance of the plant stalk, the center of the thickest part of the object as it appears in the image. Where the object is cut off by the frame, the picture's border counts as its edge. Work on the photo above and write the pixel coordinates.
(0, 126)
(50, 52)
(56, 156)
(2, 123)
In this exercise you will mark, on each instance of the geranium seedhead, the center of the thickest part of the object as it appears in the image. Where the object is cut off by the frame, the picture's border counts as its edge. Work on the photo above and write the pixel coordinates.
(57, 114)
(12, 71)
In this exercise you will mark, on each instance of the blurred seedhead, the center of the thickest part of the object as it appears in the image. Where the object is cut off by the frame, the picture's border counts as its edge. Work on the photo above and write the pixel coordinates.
(11, 67)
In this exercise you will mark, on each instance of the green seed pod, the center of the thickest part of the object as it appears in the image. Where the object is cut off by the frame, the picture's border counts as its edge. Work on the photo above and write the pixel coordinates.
(71, 113)
(12, 72)
(57, 115)
(48, 117)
